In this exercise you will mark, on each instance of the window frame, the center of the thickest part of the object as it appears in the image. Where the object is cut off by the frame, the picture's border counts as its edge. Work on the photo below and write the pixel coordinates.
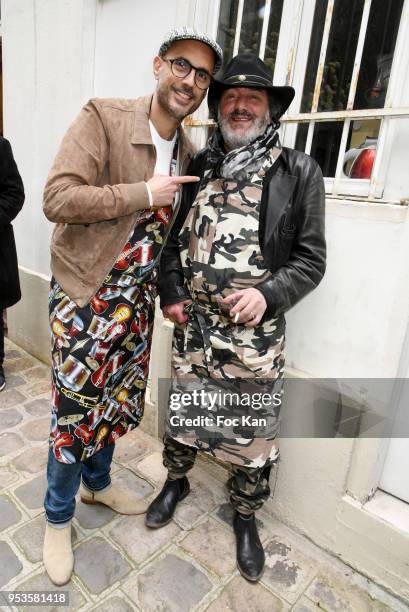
(291, 62)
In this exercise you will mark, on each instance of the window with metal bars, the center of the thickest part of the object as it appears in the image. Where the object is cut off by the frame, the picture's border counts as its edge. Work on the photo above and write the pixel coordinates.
(344, 58)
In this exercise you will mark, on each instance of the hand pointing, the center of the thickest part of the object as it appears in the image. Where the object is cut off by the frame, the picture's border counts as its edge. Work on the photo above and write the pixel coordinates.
(164, 187)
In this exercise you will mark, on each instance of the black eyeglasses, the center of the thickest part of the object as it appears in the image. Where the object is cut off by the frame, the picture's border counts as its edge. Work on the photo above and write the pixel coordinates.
(181, 68)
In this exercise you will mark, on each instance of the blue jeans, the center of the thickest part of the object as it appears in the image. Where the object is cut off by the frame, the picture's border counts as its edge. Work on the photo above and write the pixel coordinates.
(64, 480)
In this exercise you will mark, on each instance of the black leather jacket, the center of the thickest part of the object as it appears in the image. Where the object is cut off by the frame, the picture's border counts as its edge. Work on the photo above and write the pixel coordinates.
(291, 233)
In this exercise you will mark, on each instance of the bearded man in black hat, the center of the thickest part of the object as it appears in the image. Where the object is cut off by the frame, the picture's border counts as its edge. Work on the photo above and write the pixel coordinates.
(247, 244)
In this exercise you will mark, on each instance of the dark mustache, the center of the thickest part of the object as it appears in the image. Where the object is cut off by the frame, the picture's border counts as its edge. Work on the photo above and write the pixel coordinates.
(241, 113)
(188, 90)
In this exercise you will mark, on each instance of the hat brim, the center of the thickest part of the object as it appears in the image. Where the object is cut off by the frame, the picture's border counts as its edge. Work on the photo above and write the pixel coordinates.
(282, 95)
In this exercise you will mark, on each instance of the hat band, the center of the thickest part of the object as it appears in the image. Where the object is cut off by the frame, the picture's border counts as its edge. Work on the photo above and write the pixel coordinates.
(252, 79)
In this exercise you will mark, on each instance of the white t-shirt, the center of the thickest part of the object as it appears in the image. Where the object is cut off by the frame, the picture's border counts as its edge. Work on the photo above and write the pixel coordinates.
(164, 151)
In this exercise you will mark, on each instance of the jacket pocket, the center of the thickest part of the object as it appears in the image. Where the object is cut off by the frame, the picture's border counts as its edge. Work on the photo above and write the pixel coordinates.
(287, 223)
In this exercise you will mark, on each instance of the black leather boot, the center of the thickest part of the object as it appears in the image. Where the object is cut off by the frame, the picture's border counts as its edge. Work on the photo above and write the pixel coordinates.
(162, 508)
(250, 553)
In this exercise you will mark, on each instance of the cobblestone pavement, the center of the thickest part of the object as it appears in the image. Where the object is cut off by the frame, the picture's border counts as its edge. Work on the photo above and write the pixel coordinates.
(120, 565)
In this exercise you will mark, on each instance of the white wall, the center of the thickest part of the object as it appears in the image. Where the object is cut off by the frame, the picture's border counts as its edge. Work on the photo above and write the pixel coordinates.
(47, 66)
(128, 36)
(48, 73)
(354, 324)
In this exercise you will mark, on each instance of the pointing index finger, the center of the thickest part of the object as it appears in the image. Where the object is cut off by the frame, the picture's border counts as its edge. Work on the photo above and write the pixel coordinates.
(185, 179)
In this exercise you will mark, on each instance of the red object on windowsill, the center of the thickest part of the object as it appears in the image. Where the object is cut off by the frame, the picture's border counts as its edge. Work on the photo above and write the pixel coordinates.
(363, 164)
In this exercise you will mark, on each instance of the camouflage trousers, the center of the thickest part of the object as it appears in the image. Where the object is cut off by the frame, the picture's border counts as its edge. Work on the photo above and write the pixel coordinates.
(248, 487)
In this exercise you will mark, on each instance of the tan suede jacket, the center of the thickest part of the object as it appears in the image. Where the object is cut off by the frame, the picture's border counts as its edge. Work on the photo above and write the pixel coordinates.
(95, 190)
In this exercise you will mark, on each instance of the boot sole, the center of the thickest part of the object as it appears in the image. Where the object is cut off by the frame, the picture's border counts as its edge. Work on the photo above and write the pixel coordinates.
(158, 525)
(90, 502)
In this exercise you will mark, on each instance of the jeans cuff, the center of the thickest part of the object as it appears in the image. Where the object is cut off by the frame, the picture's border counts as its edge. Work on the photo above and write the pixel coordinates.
(61, 525)
(58, 521)
(100, 487)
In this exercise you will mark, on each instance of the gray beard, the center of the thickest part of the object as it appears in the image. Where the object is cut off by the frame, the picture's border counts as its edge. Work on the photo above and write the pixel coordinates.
(236, 141)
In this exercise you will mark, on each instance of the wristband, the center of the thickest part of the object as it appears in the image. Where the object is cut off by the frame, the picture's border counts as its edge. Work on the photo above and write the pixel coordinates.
(149, 195)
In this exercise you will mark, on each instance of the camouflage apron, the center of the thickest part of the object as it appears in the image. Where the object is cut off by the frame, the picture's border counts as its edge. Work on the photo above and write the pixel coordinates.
(220, 254)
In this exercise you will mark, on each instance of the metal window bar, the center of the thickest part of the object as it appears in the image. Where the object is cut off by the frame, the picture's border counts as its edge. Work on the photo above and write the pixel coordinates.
(375, 113)
(385, 137)
(238, 27)
(352, 92)
(296, 32)
(379, 157)
(264, 31)
(294, 43)
(320, 72)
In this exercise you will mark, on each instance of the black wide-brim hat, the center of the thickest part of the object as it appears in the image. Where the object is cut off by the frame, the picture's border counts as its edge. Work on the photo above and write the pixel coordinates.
(248, 70)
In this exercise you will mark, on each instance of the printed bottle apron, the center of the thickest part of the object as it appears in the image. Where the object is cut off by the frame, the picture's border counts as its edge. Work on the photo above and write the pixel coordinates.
(100, 353)
(220, 254)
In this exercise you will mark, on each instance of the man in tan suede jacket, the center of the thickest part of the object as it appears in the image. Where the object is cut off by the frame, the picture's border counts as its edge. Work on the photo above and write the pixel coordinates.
(111, 193)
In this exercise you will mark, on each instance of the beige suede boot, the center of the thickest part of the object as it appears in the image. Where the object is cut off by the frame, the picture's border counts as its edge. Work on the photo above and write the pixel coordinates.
(119, 499)
(57, 553)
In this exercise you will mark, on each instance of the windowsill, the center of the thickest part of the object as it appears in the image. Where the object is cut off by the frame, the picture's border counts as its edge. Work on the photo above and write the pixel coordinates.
(389, 509)
(349, 207)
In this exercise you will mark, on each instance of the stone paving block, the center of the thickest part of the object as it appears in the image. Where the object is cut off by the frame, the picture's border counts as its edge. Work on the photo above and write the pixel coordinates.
(99, 565)
(203, 497)
(287, 571)
(139, 541)
(115, 604)
(7, 477)
(134, 483)
(32, 493)
(332, 592)
(37, 431)
(213, 545)
(11, 397)
(131, 445)
(9, 443)
(189, 511)
(13, 380)
(21, 363)
(172, 585)
(38, 407)
(30, 538)
(305, 605)
(37, 373)
(41, 582)
(194, 506)
(12, 354)
(10, 418)
(9, 514)
(10, 565)
(39, 388)
(93, 516)
(212, 487)
(152, 467)
(239, 594)
(32, 461)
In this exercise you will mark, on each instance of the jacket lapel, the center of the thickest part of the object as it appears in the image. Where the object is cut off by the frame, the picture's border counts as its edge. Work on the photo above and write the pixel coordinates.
(186, 151)
(280, 190)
